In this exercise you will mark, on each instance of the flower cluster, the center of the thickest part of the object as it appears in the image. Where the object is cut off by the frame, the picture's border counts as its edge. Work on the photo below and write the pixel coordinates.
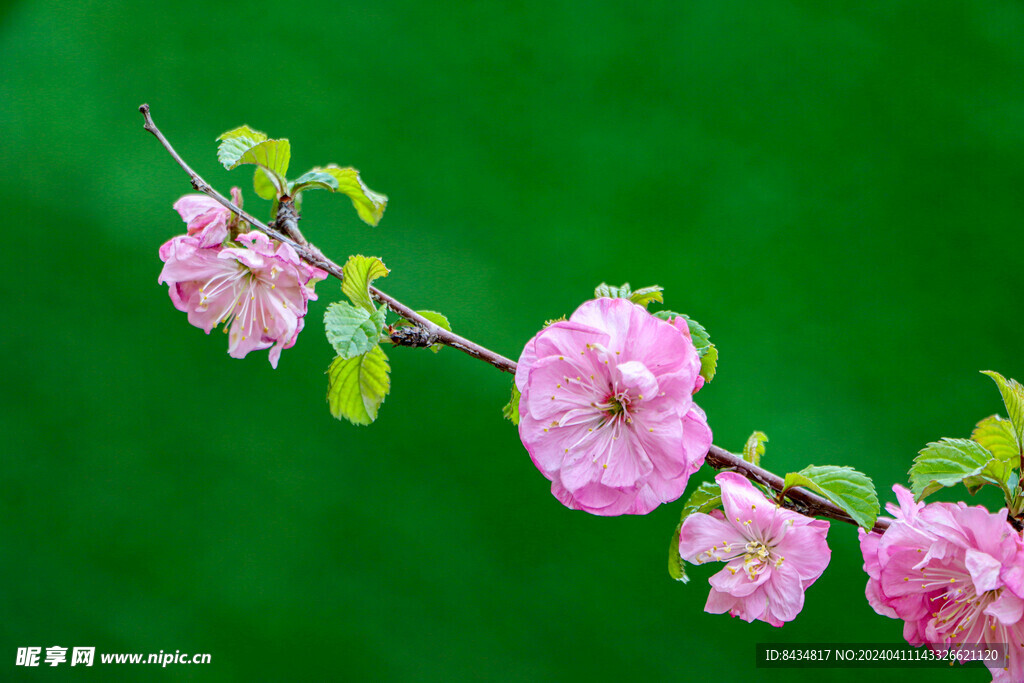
(258, 287)
(953, 573)
(607, 412)
(772, 555)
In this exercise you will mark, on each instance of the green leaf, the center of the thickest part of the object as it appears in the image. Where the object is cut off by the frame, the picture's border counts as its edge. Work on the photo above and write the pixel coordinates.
(1013, 399)
(709, 363)
(244, 145)
(996, 435)
(353, 331)
(511, 410)
(754, 448)
(676, 567)
(263, 185)
(314, 180)
(946, 463)
(646, 295)
(356, 387)
(243, 132)
(701, 341)
(851, 490)
(706, 498)
(359, 271)
(605, 290)
(369, 205)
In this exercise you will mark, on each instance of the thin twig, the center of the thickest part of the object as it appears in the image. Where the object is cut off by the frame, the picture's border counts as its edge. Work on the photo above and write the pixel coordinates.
(799, 499)
(315, 257)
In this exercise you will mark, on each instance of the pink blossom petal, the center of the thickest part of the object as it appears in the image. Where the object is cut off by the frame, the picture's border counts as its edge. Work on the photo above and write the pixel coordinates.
(785, 595)
(734, 580)
(984, 569)
(703, 538)
(193, 205)
(1007, 609)
(805, 549)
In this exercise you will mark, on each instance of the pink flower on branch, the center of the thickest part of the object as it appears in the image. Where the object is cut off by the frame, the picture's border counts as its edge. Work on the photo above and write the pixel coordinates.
(260, 290)
(607, 412)
(772, 555)
(953, 573)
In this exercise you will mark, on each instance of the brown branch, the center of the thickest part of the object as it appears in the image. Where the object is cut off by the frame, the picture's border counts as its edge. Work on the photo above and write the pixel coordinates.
(799, 499)
(315, 257)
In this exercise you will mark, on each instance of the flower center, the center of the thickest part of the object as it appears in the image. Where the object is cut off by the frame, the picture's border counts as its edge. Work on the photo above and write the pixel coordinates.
(960, 605)
(756, 558)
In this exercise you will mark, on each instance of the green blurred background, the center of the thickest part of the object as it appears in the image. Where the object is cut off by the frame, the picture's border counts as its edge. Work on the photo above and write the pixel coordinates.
(834, 190)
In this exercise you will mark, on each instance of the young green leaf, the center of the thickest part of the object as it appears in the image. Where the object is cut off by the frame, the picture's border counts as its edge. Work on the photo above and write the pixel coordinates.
(754, 448)
(314, 180)
(243, 145)
(356, 387)
(353, 331)
(369, 205)
(263, 185)
(1013, 399)
(605, 290)
(706, 498)
(676, 566)
(359, 272)
(709, 363)
(511, 410)
(946, 463)
(997, 435)
(646, 295)
(851, 490)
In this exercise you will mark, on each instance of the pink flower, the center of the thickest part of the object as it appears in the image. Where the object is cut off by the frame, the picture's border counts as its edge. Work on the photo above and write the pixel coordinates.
(261, 290)
(607, 412)
(954, 574)
(773, 555)
(207, 220)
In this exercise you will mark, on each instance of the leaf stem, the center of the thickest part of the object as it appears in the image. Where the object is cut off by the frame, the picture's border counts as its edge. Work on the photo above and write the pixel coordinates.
(799, 499)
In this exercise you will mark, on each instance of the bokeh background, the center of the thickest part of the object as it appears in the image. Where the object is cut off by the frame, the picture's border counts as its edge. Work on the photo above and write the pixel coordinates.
(833, 189)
